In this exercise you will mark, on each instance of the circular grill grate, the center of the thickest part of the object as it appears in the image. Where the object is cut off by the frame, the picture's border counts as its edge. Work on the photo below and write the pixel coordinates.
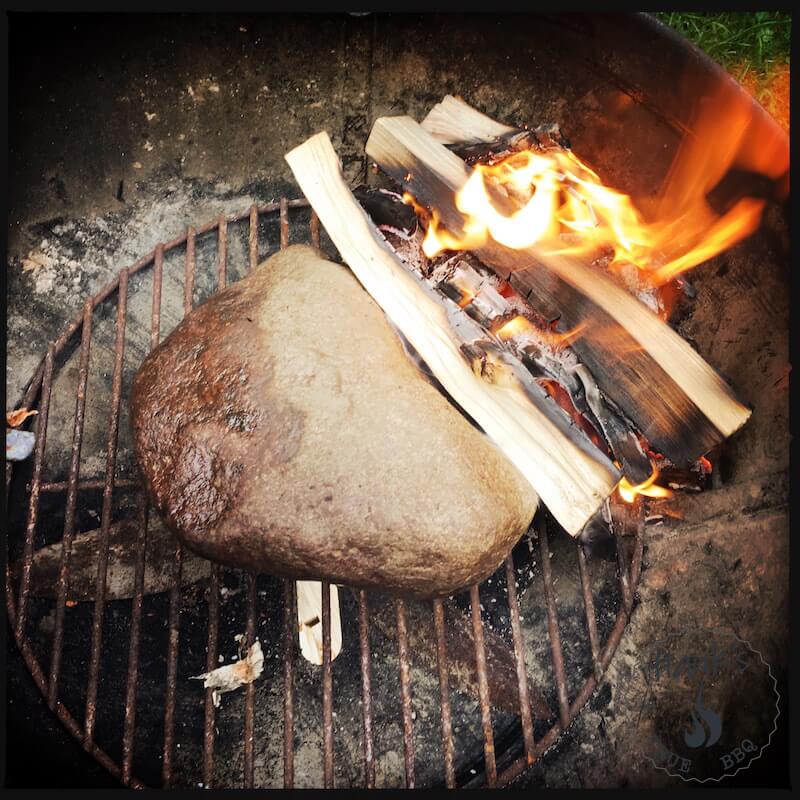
(115, 669)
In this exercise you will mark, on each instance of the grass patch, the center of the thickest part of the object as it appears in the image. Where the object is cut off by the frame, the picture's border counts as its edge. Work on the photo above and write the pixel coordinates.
(742, 41)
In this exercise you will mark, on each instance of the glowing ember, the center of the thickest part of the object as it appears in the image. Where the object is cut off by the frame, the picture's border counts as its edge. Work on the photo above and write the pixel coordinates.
(555, 202)
(649, 488)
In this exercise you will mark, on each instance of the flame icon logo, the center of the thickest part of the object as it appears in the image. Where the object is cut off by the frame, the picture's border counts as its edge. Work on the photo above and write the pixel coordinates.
(697, 737)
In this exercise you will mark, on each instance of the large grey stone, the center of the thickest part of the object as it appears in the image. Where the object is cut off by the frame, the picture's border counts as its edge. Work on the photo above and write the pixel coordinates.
(282, 427)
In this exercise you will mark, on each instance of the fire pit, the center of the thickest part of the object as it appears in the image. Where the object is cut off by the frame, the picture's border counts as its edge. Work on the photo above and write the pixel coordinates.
(405, 703)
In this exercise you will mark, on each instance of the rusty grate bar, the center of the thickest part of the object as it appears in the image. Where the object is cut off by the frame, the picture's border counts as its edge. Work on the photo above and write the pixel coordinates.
(250, 689)
(289, 629)
(483, 685)
(222, 252)
(252, 237)
(327, 688)
(366, 689)
(129, 725)
(188, 283)
(314, 229)
(33, 499)
(72, 501)
(211, 663)
(628, 519)
(175, 589)
(629, 574)
(405, 694)
(289, 610)
(624, 584)
(172, 668)
(105, 514)
(213, 586)
(552, 628)
(284, 218)
(519, 657)
(158, 278)
(444, 696)
(591, 617)
(88, 484)
(252, 594)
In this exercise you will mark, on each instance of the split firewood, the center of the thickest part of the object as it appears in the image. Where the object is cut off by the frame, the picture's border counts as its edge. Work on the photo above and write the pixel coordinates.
(675, 399)
(455, 122)
(471, 134)
(623, 440)
(309, 620)
(568, 472)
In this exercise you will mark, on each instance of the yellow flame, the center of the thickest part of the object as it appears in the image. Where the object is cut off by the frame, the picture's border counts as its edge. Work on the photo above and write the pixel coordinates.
(554, 339)
(551, 199)
(649, 488)
(514, 326)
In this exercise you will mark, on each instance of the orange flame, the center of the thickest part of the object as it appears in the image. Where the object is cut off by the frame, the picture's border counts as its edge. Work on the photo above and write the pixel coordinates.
(555, 202)
(554, 339)
(649, 488)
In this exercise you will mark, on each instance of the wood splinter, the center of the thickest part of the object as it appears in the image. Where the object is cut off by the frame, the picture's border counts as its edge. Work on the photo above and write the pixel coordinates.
(309, 621)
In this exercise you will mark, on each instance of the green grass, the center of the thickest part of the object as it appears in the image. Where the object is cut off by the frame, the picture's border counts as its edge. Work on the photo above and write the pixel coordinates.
(741, 41)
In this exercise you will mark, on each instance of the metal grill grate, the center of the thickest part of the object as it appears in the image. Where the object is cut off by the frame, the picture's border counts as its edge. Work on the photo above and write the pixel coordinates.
(526, 749)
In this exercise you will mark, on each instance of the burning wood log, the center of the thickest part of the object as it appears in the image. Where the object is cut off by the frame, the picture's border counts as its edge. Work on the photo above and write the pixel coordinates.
(569, 473)
(676, 400)
(497, 307)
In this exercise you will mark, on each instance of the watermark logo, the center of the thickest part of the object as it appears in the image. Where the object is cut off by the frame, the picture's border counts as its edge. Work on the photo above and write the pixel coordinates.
(706, 725)
(713, 704)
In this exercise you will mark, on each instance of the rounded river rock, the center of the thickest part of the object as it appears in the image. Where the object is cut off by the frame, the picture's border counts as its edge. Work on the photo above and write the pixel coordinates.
(281, 427)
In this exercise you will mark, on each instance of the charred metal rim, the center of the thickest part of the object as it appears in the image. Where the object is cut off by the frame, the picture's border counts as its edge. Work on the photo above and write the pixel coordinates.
(40, 385)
